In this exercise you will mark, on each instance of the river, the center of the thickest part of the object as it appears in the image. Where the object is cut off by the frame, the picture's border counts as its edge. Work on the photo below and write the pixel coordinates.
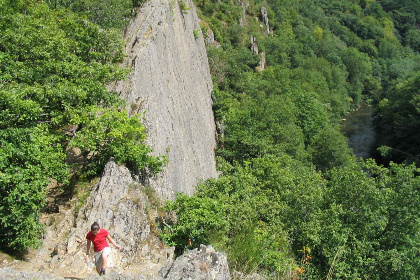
(359, 130)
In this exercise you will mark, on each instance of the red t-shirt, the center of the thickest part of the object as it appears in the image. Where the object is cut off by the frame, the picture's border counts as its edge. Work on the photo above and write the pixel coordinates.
(98, 240)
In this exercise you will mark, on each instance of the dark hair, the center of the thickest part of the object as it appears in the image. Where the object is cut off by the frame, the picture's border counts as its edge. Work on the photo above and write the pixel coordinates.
(94, 226)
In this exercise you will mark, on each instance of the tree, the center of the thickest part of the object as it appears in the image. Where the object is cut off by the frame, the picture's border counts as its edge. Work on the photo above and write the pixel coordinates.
(359, 68)
(366, 230)
(30, 160)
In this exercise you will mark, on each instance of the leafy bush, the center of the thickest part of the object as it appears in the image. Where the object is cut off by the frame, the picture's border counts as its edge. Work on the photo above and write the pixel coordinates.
(197, 220)
(106, 13)
(111, 133)
(259, 208)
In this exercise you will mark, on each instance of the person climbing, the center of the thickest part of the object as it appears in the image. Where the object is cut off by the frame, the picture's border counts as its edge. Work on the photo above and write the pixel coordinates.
(98, 236)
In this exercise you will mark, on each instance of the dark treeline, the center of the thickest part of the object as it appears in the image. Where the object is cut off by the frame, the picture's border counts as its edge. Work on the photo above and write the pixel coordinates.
(292, 201)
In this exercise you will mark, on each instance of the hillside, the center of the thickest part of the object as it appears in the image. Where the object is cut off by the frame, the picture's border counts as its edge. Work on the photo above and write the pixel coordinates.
(289, 199)
(285, 74)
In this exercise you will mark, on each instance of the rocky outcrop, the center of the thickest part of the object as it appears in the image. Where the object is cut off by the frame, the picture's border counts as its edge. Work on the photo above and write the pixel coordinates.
(264, 16)
(171, 83)
(254, 45)
(8, 273)
(198, 264)
(262, 64)
(209, 37)
(254, 48)
(244, 4)
(120, 205)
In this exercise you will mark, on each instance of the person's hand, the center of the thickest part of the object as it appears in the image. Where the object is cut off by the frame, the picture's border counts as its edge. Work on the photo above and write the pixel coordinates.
(86, 257)
(118, 247)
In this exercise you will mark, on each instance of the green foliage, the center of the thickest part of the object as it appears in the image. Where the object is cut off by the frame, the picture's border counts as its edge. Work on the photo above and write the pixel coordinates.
(405, 15)
(183, 6)
(295, 200)
(260, 247)
(359, 68)
(30, 159)
(261, 127)
(259, 201)
(197, 220)
(364, 222)
(349, 226)
(412, 38)
(107, 133)
(106, 13)
(329, 149)
(229, 65)
(54, 66)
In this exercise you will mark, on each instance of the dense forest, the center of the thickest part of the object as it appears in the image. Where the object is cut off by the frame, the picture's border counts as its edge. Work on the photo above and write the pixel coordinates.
(292, 200)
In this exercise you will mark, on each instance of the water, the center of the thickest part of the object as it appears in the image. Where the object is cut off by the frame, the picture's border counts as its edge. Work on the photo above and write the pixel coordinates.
(358, 128)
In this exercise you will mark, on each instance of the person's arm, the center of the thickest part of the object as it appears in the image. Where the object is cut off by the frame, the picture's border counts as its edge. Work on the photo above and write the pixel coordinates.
(88, 248)
(113, 243)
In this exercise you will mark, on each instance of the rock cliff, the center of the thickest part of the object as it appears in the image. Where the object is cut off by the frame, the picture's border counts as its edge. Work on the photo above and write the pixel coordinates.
(171, 83)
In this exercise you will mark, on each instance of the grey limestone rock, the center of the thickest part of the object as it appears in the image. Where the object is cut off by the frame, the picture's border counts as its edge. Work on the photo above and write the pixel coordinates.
(262, 64)
(112, 275)
(264, 15)
(209, 37)
(120, 205)
(254, 45)
(198, 264)
(8, 273)
(244, 4)
(254, 49)
(171, 83)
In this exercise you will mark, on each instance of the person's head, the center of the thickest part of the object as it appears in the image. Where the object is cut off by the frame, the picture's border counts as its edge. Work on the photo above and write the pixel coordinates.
(94, 228)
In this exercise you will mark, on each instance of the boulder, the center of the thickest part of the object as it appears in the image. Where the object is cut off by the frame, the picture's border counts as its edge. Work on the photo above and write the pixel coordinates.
(198, 264)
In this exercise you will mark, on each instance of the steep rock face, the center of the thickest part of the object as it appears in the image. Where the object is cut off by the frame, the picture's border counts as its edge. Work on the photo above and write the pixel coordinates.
(122, 206)
(171, 82)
